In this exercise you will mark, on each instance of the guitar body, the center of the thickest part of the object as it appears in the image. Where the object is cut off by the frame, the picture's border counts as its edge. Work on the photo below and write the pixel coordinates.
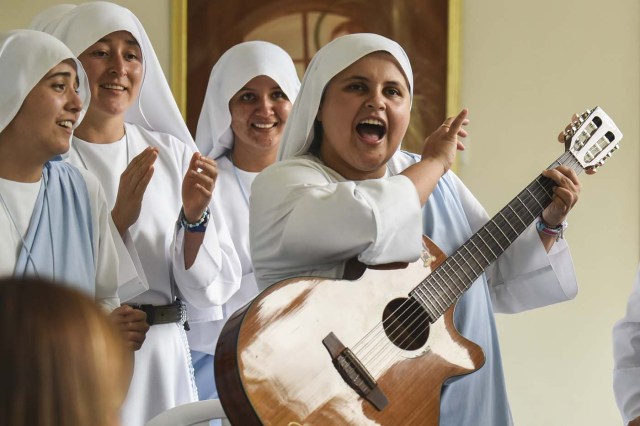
(272, 367)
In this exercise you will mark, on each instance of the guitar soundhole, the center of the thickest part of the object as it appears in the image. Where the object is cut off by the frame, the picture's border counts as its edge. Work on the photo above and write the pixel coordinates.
(406, 324)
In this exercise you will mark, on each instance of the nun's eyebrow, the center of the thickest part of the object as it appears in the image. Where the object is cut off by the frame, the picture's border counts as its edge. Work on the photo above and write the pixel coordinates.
(276, 87)
(365, 79)
(60, 74)
(65, 74)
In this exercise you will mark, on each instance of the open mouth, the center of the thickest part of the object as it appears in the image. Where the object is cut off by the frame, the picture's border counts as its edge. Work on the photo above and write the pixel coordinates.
(67, 124)
(371, 129)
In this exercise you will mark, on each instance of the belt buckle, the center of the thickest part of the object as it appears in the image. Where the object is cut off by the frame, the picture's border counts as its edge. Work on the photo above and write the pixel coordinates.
(152, 310)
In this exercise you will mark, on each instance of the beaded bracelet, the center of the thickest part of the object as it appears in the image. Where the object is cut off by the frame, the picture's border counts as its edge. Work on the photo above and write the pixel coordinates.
(556, 231)
(199, 226)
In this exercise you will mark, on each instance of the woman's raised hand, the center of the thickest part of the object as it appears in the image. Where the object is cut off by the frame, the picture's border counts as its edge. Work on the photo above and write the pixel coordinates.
(197, 186)
(442, 144)
(133, 183)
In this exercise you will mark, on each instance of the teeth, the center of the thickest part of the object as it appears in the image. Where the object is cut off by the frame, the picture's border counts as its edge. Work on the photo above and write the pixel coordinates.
(372, 121)
(113, 86)
(68, 124)
(264, 126)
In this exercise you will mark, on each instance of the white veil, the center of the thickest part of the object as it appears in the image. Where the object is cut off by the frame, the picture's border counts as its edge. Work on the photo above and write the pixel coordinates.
(81, 26)
(25, 57)
(327, 62)
(234, 69)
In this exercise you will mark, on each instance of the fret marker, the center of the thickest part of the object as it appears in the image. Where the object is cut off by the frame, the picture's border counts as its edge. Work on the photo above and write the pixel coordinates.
(427, 258)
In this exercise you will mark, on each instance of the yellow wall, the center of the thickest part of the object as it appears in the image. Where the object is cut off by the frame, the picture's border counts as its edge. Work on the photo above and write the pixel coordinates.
(155, 15)
(526, 67)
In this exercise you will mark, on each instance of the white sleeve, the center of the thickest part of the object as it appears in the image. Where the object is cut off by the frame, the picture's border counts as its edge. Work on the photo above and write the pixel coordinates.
(132, 280)
(525, 276)
(626, 357)
(216, 273)
(301, 219)
(106, 256)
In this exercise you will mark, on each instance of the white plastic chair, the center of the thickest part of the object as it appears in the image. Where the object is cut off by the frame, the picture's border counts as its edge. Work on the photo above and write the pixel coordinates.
(191, 414)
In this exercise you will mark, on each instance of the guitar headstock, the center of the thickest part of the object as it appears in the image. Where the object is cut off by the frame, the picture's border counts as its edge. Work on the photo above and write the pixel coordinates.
(592, 138)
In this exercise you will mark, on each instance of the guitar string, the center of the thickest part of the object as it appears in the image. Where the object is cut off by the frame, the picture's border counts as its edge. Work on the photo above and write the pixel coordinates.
(538, 190)
(438, 270)
(398, 351)
(573, 163)
(439, 294)
(407, 306)
(520, 209)
(394, 348)
(453, 269)
(578, 169)
(385, 355)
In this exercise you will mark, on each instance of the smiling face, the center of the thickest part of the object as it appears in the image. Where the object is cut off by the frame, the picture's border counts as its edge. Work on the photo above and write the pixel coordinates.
(364, 115)
(114, 67)
(259, 112)
(43, 125)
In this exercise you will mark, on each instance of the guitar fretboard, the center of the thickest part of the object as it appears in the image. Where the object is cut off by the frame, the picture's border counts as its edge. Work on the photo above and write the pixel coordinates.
(446, 284)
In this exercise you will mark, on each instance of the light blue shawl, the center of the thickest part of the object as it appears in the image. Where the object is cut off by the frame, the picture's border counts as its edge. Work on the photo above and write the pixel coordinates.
(60, 235)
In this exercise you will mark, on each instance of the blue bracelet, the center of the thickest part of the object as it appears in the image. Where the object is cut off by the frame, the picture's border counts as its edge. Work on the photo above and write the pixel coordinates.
(199, 226)
(556, 231)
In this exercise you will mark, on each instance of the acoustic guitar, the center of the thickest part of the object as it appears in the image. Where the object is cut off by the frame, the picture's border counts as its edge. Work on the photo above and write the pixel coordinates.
(376, 350)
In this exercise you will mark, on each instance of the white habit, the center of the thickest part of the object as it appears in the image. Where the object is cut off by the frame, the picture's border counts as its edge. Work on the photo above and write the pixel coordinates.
(235, 68)
(163, 375)
(26, 57)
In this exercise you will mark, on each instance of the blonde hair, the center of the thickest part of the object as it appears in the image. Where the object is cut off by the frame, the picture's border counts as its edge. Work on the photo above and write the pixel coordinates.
(62, 361)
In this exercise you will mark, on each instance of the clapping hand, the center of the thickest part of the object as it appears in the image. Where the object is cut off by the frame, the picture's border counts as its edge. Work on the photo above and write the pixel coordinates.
(133, 183)
(197, 186)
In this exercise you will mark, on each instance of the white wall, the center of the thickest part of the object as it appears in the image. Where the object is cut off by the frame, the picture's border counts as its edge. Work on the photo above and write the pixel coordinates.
(527, 66)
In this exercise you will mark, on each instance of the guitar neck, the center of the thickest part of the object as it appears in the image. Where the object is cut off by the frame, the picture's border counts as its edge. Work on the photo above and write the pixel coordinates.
(446, 284)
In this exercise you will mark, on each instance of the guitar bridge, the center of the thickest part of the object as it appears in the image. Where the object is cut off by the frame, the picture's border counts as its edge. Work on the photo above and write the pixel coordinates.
(354, 372)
